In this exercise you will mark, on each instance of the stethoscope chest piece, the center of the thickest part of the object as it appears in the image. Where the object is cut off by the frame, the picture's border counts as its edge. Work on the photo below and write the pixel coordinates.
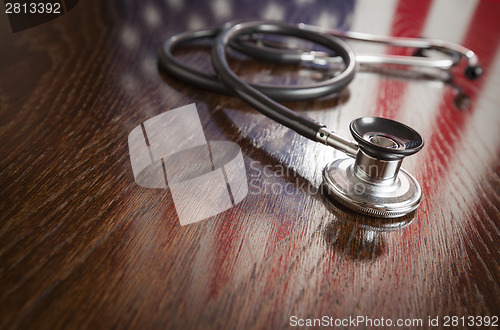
(373, 183)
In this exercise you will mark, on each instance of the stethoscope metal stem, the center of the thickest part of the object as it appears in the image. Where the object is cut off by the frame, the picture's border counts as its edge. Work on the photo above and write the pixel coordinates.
(422, 43)
(334, 140)
(333, 62)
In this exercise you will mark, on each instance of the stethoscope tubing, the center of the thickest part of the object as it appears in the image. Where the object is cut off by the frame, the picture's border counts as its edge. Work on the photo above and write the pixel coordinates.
(301, 124)
(264, 97)
(211, 82)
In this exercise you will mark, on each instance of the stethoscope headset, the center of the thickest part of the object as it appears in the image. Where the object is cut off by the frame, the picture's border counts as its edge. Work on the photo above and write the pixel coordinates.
(371, 181)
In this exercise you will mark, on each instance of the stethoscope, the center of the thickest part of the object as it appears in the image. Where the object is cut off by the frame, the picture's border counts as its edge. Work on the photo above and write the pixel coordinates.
(371, 181)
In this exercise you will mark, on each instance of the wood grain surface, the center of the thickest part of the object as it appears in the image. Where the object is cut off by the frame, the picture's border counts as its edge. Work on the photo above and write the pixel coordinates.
(83, 246)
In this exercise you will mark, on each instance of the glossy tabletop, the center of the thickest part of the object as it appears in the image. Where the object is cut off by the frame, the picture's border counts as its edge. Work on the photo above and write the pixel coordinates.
(83, 246)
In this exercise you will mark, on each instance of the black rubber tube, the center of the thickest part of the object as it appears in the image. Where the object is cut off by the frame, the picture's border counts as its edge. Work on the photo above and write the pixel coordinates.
(299, 123)
(262, 97)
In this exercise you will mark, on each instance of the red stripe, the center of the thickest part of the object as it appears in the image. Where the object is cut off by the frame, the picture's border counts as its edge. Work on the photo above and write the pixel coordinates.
(483, 38)
(408, 21)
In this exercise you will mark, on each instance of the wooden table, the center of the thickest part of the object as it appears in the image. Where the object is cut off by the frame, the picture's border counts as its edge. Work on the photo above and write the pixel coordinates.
(83, 246)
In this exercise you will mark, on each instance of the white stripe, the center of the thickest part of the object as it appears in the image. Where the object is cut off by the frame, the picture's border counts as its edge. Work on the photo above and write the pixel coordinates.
(449, 19)
(372, 17)
(422, 101)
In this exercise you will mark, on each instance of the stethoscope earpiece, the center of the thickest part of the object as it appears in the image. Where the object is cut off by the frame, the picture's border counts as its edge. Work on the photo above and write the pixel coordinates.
(473, 72)
(373, 182)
